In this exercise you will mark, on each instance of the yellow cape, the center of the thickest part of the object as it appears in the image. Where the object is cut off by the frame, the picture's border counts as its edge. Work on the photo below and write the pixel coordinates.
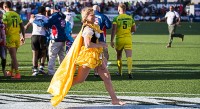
(63, 77)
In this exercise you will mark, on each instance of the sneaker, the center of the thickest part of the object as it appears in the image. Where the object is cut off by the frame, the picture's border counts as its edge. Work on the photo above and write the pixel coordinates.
(4, 73)
(96, 75)
(35, 72)
(9, 73)
(118, 74)
(182, 37)
(108, 64)
(17, 76)
(41, 71)
(49, 75)
(130, 76)
(168, 46)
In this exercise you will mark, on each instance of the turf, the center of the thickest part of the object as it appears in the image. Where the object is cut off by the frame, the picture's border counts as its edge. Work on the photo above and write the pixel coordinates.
(157, 71)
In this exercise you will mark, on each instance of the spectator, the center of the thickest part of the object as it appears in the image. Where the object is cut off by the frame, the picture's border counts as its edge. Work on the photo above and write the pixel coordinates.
(70, 17)
(3, 51)
(38, 41)
(56, 23)
(69, 27)
(173, 19)
(70, 40)
(122, 27)
(1, 7)
(191, 17)
(13, 36)
(104, 23)
(28, 11)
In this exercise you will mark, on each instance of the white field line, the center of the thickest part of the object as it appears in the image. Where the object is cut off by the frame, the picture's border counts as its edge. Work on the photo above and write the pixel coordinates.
(101, 92)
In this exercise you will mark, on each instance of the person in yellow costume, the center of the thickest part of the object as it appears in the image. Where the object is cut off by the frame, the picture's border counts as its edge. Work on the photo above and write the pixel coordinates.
(123, 26)
(86, 52)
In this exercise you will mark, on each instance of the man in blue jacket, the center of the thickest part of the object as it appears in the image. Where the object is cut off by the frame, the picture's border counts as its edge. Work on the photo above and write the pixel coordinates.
(104, 23)
(56, 24)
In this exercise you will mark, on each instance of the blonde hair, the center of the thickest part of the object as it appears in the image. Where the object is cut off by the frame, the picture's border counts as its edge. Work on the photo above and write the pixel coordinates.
(122, 6)
(85, 12)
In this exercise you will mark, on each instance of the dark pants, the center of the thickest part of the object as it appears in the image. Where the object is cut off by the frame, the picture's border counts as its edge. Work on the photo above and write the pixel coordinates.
(172, 34)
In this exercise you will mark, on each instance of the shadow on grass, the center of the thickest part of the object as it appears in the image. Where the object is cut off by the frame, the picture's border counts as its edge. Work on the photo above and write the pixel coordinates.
(39, 78)
(140, 72)
(159, 71)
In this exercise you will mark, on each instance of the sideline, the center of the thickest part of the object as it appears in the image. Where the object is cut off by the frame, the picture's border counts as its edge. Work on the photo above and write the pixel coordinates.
(41, 101)
(102, 92)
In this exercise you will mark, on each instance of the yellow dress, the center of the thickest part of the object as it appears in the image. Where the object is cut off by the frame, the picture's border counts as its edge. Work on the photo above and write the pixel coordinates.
(90, 57)
(63, 77)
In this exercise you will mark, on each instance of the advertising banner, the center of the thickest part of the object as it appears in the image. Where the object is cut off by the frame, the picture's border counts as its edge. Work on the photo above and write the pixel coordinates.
(197, 13)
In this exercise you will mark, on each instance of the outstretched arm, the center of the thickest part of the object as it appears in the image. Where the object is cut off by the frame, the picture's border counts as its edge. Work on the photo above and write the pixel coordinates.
(161, 19)
(29, 22)
(27, 26)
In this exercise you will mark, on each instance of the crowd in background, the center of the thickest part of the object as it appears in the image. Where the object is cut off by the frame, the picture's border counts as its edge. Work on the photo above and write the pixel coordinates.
(133, 8)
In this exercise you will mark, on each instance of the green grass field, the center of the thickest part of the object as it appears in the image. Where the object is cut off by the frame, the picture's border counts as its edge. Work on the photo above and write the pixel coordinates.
(157, 71)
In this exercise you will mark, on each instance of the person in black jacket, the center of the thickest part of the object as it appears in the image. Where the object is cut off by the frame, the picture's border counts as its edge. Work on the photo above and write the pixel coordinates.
(104, 23)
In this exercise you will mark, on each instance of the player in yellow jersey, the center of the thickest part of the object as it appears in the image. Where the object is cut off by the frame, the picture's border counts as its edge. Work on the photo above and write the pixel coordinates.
(123, 25)
(14, 26)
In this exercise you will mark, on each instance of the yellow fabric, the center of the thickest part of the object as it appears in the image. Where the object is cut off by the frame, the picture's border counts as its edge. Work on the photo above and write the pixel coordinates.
(129, 63)
(90, 57)
(123, 43)
(12, 21)
(13, 42)
(119, 65)
(63, 78)
(95, 27)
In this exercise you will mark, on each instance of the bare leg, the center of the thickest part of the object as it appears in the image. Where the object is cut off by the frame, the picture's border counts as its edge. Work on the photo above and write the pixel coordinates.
(43, 59)
(13, 57)
(35, 58)
(106, 57)
(83, 72)
(105, 75)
